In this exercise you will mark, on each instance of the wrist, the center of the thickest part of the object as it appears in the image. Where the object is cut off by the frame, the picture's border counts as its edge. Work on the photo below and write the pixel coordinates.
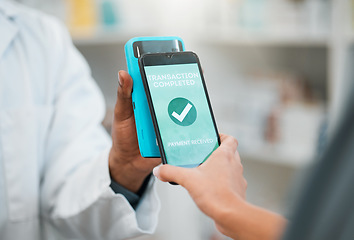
(230, 211)
(230, 214)
(125, 173)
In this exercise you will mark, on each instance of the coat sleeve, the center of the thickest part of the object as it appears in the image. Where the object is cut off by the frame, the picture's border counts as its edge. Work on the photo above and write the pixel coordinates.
(76, 198)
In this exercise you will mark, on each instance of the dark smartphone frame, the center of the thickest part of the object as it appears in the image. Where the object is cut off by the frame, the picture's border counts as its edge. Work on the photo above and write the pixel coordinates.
(170, 58)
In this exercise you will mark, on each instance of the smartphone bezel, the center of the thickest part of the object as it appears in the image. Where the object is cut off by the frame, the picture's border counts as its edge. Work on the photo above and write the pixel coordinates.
(155, 59)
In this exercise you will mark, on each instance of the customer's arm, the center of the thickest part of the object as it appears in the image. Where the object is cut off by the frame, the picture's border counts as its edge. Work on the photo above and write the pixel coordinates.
(219, 188)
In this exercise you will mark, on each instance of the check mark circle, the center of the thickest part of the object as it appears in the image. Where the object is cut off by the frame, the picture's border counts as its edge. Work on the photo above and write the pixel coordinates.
(182, 111)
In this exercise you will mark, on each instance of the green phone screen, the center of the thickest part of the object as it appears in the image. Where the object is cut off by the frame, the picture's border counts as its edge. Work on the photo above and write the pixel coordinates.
(182, 113)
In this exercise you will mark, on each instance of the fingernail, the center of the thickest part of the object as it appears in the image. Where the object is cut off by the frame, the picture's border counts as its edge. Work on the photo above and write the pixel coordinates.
(156, 171)
(120, 80)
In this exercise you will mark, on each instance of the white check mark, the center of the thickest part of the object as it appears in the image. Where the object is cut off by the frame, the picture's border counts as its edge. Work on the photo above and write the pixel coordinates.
(180, 117)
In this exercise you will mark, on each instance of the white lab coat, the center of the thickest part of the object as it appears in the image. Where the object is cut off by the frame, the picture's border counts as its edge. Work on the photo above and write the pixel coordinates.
(54, 176)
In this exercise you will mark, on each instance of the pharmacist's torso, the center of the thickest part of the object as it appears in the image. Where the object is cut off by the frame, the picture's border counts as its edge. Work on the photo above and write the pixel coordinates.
(25, 113)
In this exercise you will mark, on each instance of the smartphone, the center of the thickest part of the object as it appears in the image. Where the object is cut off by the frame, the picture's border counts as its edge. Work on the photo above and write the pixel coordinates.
(180, 107)
(134, 49)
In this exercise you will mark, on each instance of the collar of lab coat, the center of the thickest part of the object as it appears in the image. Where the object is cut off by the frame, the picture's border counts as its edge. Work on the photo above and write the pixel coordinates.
(8, 13)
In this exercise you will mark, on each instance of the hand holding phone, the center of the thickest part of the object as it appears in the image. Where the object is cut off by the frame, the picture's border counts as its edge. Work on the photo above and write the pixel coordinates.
(180, 108)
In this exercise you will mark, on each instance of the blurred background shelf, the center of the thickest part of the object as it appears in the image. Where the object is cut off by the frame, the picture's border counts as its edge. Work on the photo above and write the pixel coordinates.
(270, 40)
(103, 36)
(100, 37)
(244, 38)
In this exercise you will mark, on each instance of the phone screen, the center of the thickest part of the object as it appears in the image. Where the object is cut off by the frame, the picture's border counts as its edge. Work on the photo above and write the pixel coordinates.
(183, 115)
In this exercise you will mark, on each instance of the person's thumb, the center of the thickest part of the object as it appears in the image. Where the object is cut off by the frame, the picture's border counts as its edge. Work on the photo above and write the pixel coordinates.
(169, 173)
(123, 108)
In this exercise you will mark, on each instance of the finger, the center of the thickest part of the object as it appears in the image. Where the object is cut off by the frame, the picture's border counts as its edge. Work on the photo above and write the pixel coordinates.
(169, 173)
(222, 136)
(226, 150)
(124, 108)
(228, 142)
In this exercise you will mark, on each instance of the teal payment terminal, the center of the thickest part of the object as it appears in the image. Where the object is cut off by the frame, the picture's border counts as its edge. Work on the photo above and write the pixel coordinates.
(134, 49)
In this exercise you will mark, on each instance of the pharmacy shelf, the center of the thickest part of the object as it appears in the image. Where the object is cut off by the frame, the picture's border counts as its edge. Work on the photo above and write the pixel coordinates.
(99, 38)
(105, 36)
(234, 38)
